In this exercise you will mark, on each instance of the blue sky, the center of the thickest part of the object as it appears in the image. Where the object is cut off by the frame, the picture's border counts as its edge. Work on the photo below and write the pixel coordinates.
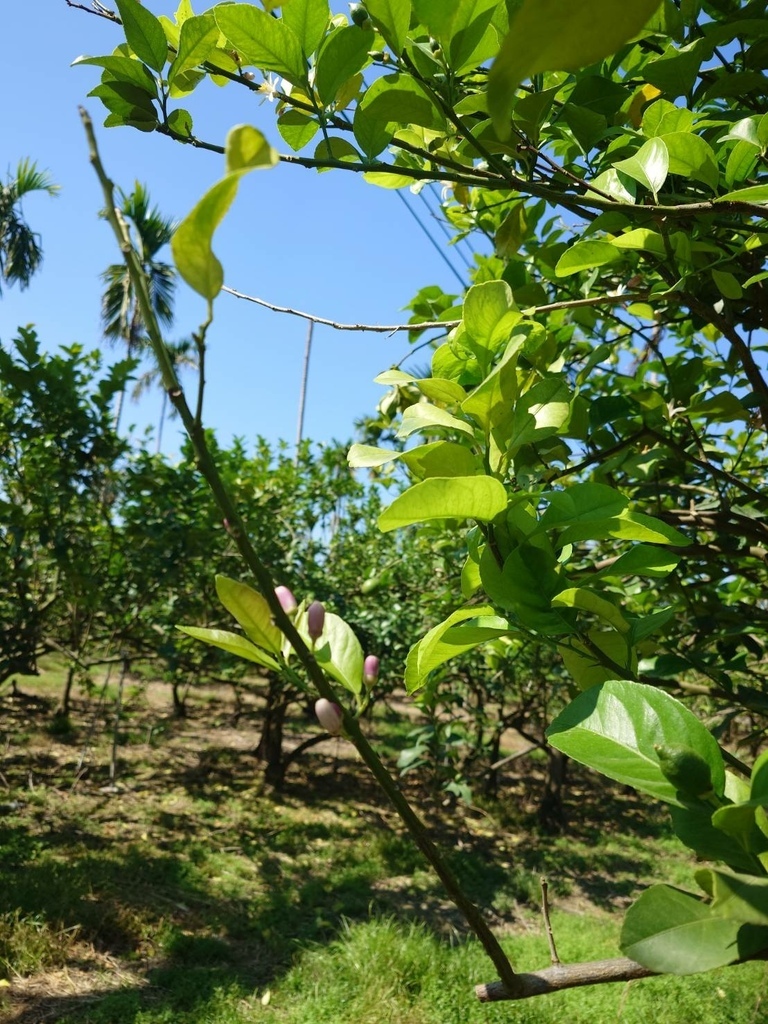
(326, 243)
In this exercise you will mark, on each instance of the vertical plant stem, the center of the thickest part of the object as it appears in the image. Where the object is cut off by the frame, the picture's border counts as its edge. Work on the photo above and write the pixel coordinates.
(209, 471)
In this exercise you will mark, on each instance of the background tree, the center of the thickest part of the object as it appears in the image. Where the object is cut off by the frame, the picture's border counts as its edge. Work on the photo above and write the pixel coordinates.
(121, 316)
(20, 248)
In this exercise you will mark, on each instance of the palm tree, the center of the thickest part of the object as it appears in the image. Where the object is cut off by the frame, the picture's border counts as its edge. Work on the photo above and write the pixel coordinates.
(20, 250)
(121, 317)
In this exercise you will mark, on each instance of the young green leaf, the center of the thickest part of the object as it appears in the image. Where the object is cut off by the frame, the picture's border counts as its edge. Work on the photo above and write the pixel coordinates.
(233, 643)
(260, 39)
(468, 497)
(251, 611)
(144, 33)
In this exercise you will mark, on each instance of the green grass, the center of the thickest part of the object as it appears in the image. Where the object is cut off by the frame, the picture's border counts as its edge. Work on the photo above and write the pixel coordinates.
(197, 899)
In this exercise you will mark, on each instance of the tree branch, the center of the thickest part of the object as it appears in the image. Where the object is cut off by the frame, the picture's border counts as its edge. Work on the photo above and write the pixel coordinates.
(428, 325)
(561, 976)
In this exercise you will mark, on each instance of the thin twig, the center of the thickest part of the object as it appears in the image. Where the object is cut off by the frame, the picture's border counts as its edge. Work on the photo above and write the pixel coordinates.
(547, 923)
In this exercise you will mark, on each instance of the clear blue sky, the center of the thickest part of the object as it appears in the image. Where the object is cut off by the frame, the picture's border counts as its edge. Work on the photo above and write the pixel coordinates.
(326, 243)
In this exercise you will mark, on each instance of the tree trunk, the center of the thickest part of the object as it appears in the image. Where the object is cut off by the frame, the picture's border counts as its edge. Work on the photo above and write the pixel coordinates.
(62, 711)
(270, 748)
(551, 813)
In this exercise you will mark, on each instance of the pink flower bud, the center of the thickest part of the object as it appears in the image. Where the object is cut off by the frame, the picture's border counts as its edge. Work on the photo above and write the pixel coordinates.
(315, 620)
(328, 715)
(371, 669)
(286, 599)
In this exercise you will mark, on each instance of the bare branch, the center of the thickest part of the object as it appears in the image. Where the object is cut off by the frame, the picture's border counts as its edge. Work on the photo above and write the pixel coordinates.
(428, 325)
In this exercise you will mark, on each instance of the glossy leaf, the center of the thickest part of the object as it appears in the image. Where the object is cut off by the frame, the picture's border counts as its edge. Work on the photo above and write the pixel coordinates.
(672, 932)
(615, 728)
(444, 642)
(144, 33)
(308, 20)
(471, 497)
(649, 165)
(198, 39)
(392, 18)
(251, 611)
(692, 157)
(267, 42)
(339, 652)
(233, 643)
(742, 897)
(343, 54)
(123, 69)
(426, 417)
(586, 256)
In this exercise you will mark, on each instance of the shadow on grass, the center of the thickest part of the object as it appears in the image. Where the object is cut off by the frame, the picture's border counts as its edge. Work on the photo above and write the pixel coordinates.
(226, 886)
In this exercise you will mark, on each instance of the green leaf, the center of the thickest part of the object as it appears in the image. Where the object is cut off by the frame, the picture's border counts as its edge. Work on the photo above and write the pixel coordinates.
(649, 165)
(584, 662)
(246, 149)
(391, 100)
(392, 18)
(363, 456)
(125, 98)
(444, 642)
(123, 69)
(191, 243)
(468, 497)
(297, 128)
(541, 412)
(693, 827)
(641, 238)
(342, 55)
(581, 503)
(626, 526)
(441, 458)
(260, 39)
(144, 33)
(558, 35)
(472, 38)
(526, 585)
(616, 727)
(198, 38)
(692, 157)
(586, 256)
(251, 611)
(339, 652)
(741, 897)
(754, 194)
(672, 932)
(485, 306)
(233, 643)
(426, 417)
(309, 20)
(587, 601)
(180, 121)
(335, 148)
(676, 70)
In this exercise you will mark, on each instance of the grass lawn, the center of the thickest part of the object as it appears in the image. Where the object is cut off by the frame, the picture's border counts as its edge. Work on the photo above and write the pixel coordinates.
(178, 892)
